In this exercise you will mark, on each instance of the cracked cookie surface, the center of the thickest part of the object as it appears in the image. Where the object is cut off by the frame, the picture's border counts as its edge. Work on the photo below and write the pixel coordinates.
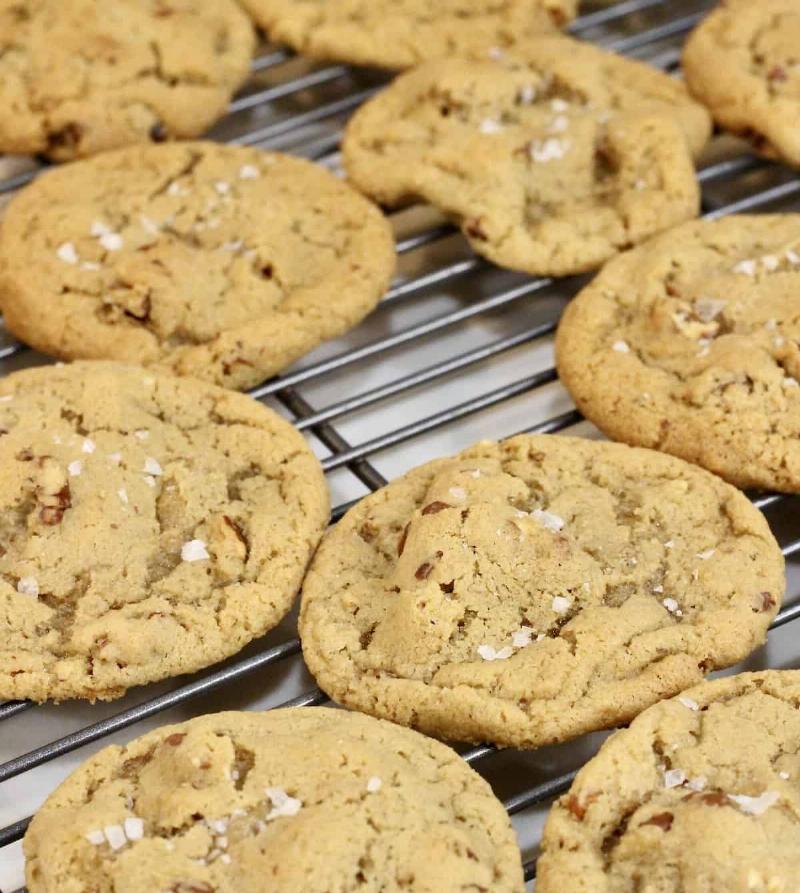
(218, 262)
(691, 344)
(743, 63)
(551, 157)
(150, 526)
(403, 33)
(526, 592)
(312, 799)
(78, 77)
(702, 792)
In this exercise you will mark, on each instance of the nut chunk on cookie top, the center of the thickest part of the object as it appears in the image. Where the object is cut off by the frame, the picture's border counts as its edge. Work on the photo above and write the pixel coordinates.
(743, 63)
(523, 593)
(307, 800)
(701, 793)
(149, 526)
(81, 76)
(552, 157)
(402, 33)
(217, 262)
(691, 344)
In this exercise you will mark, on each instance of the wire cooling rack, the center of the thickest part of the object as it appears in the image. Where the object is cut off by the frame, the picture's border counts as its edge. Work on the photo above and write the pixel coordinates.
(457, 351)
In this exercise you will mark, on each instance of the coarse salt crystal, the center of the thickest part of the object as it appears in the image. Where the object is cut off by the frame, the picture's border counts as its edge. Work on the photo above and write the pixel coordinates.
(194, 550)
(149, 480)
(88, 446)
(488, 652)
(548, 519)
(671, 605)
(755, 805)
(674, 778)
(704, 556)
(98, 228)
(559, 124)
(75, 468)
(697, 784)
(550, 149)
(249, 172)
(111, 241)
(225, 859)
(658, 588)
(784, 775)
(149, 225)
(621, 347)
(790, 382)
(746, 267)
(458, 492)
(527, 94)
(793, 257)
(90, 265)
(28, 586)
(67, 253)
(709, 309)
(96, 838)
(689, 703)
(222, 187)
(123, 495)
(282, 803)
(115, 836)
(374, 784)
(116, 458)
(490, 125)
(232, 246)
(561, 604)
(141, 434)
(218, 825)
(669, 544)
(558, 105)
(770, 262)
(134, 828)
(522, 637)
(151, 466)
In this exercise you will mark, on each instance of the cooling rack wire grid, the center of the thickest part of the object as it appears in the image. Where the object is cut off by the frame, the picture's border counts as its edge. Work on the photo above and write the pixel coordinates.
(457, 351)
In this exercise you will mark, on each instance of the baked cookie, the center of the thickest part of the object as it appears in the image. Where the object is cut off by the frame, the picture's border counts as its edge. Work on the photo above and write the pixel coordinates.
(218, 262)
(313, 799)
(551, 158)
(701, 793)
(525, 592)
(402, 33)
(691, 344)
(743, 63)
(81, 76)
(149, 526)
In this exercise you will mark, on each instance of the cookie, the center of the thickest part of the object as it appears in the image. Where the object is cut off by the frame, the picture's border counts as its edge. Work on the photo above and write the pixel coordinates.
(691, 344)
(526, 592)
(312, 799)
(403, 33)
(742, 62)
(702, 792)
(81, 76)
(551, 158)
(150, 526)
(217, 262)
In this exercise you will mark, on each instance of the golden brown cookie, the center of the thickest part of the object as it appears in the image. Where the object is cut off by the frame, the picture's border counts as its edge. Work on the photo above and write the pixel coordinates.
(743, 63)
(218, 262)
(81, 76)
(149, 526)
(551, 157)
(402, 33)
(298, 801)
(701, 793)
(526, 592)
(691, 344)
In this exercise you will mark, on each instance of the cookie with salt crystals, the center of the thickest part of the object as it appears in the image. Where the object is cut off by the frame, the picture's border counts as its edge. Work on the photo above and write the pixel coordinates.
(79, 77)
(702, 792)
(218, 262)
(150, 526)
(552, 156)
(312, 800)
(525, 592)
(690, 344)
(742, 62)
(402, 33)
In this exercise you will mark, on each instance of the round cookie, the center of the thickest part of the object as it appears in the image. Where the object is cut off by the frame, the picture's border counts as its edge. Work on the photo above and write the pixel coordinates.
(313, 800)
(701, 793)
(742, 62)
(551, 158)
(526, 592)
(691, 344)
(403, 33)
(218, 262)
(149, 526)
(81, 76)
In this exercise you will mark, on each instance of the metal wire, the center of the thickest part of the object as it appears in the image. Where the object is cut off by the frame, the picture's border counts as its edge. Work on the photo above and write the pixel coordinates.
(633, 26)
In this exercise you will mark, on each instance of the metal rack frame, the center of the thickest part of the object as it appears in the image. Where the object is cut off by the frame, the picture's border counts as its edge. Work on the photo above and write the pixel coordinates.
(624, 27)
